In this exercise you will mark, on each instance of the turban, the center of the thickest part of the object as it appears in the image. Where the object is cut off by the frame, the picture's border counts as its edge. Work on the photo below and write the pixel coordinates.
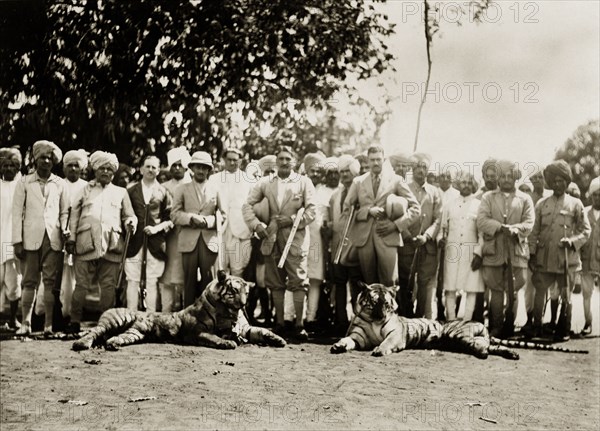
(179, 154)
(488, 164)
(76, 156)
(594, 186)
(573, 190)
(348, 162)
(267, 163)
(101, 158)
(312, 159)
(330, 164)
(559, 168)
(41, 148)
(504, 166)
(421, 158)
(400, 158)
(10, 154)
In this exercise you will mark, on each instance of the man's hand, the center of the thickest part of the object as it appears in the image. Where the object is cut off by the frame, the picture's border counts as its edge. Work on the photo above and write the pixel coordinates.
(66, 234)
(385, 227)
(565, 243)
(261, 231)
(151, 230)
(131, 225)
(377, 212)
(442, 243)
(419, 240)
(284, 221)
(531, 263)
(198, 221)
(509, 230)
(476, 262)
(70, 247)
(326, 232)
(19, 250)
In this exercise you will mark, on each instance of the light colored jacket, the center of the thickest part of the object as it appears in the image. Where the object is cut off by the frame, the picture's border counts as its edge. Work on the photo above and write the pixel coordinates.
(361, 192)
(33, 215)
(300, 194)
(97, 215)
(233, 190)
(590, 252)
(549, 229)
(186, 204)
(430, 200)
(519, 212)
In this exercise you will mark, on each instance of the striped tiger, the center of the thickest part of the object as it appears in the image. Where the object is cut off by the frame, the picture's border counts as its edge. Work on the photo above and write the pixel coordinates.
(534, 346)
(377, 326)
(215, 320)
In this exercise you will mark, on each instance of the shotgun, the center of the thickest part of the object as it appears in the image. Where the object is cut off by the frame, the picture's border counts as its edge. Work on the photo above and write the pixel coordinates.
(439, 291)
(344, 240)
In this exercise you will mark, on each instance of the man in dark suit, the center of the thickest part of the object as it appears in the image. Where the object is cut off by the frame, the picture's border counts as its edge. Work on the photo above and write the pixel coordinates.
(152, 206)
(194, 209)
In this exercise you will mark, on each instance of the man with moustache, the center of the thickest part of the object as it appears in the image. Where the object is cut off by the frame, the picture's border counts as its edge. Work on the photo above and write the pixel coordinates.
(41, 205)
(100, 213)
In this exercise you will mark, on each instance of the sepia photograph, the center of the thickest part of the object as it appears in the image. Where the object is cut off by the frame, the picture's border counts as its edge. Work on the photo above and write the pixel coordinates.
(299, 214)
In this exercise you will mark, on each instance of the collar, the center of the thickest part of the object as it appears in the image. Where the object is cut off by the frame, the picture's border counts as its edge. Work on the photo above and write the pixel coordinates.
(36, 178)
(95, 183)
(289, 179)
(151, 186)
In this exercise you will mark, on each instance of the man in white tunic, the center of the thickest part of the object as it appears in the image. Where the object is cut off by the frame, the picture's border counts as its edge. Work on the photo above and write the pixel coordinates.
(463, 247)
(448, 192)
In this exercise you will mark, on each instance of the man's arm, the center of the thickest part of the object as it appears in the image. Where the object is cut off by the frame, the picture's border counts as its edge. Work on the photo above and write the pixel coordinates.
(432, 231)
(527, 219)
(255, 196)
(486, 224)
(310, 210)
(76, 213)
(582, 230)
(128, 216)
(414, 208)
(18, 211)
(178, 215)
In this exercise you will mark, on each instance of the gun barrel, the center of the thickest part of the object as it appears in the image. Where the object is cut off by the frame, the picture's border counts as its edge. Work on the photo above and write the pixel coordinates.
(340, 247)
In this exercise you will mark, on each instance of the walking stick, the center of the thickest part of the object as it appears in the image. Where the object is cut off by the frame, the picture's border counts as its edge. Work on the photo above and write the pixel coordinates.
(509, 319)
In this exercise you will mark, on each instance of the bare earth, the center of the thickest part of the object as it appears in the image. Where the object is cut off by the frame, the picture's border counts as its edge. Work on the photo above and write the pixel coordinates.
(297, 387)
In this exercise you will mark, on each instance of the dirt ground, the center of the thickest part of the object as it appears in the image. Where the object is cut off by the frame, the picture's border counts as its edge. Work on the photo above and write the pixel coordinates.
(297, 387)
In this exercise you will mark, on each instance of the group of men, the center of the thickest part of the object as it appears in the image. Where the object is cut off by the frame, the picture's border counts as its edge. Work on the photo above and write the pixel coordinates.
(305, 239)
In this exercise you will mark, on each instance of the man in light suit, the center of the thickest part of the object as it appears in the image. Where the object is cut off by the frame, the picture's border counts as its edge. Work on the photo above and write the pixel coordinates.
(373, 233)
(286, 193)
(40, 211)
(98, 215)
(505, 218)
(194, 209)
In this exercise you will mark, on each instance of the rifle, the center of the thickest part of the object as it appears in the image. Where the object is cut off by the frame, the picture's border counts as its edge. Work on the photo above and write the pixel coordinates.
(509, 319)
(290, 239)
(129, 229)
(142, 300)
(58, 322)
(414, 265)
(219, 226)
(566, 268)
(344, 240)
(439, 292)
(325, 313)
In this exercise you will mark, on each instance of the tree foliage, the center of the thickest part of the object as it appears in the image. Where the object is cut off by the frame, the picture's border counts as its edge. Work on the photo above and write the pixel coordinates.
(142, 76)
(582, 152)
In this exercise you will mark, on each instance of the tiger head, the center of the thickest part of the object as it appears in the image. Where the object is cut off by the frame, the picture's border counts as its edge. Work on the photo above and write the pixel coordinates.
(376, 302)
(229, 290)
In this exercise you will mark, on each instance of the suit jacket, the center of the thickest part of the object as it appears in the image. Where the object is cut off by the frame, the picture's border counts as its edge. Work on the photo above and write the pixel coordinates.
(549, 229)
(299, 195)
(159, 212)
(361, 192)
(97, 216)
(520, 214)
(590, 252)
(33, 215)
(339, 218)
(186, 203)
(430, 199)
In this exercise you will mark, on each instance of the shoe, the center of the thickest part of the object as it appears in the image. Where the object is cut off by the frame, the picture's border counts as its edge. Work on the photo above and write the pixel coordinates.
(73, 328)
(280, 330)
(25, 329)
(300, 334)
(48, 331)
(587, 330)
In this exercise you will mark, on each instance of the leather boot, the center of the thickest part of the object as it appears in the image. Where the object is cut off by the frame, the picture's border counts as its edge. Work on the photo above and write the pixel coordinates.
(563, 328)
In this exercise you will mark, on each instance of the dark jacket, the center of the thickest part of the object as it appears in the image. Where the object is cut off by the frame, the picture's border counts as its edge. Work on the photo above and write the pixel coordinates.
(159, 212)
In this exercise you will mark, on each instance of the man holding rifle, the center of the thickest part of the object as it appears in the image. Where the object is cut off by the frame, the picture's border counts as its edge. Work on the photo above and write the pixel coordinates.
(99, 215)
(560, 230)
(287, 193)
(505, 218)
(152, 206)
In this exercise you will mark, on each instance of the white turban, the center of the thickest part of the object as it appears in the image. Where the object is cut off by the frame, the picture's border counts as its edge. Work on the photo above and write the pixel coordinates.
(330, 164)
(348, 162)
(101, 158)
(44, 147)
(594, 186)
(179, 154)
(76, 156)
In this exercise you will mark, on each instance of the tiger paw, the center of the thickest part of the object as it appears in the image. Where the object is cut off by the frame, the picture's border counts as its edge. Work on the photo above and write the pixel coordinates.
(378, 351)
(82, 344)
(338, 348)
(112, 346)
(227, 345)
(274, 340)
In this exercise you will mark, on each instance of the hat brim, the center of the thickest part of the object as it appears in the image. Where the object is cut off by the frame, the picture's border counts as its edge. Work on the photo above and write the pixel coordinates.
(200, 163)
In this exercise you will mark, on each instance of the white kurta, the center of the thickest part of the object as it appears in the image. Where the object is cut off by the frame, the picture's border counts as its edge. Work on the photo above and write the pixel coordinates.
(459, 218)
(449, 195)
(316, 251)
(7, 192)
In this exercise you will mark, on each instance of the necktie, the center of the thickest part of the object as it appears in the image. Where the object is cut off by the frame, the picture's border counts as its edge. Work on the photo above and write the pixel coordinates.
(344, 194)
(375, 184)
